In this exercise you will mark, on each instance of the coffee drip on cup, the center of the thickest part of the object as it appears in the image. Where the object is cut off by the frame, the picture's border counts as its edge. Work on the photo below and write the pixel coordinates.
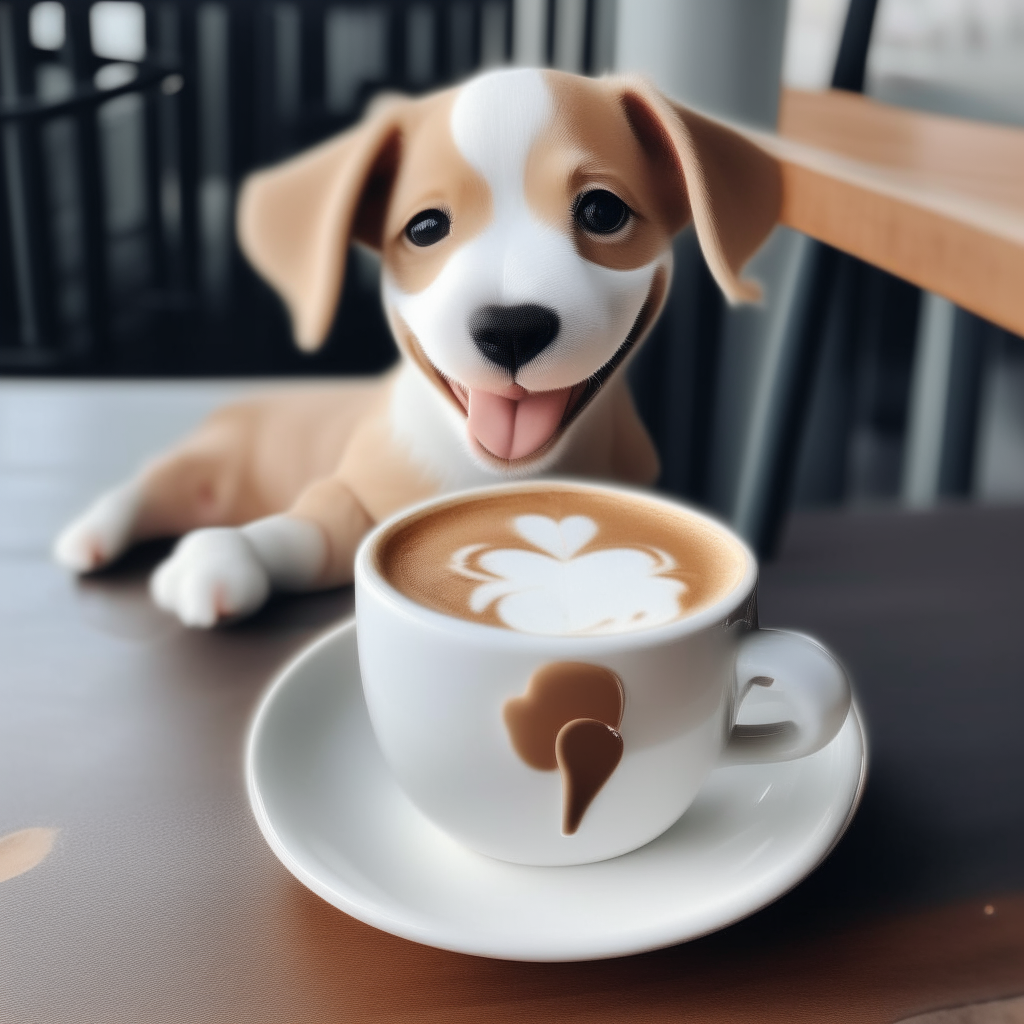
(568, 719)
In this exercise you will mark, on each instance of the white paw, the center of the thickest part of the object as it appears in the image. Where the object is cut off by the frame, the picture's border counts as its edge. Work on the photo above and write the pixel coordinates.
(211, 576)
(101, 533)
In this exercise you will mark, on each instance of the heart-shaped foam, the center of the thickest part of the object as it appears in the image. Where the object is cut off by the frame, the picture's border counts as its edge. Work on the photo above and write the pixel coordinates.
(587, 752)
(559, 693)
(560, 538)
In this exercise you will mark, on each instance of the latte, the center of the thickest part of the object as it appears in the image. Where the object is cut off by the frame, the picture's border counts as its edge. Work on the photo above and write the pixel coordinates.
(561, 560)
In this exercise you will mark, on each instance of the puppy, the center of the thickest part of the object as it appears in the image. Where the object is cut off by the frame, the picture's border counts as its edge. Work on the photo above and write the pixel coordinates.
(524, 222)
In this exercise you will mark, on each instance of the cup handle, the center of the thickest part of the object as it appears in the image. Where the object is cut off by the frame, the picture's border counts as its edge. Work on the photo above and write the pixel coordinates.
(814, 683)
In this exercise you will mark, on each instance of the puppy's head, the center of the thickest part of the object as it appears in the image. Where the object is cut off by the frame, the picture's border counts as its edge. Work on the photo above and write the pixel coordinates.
(524, 222)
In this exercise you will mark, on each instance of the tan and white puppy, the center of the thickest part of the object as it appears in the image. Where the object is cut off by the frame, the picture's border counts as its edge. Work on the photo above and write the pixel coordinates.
(524, 222)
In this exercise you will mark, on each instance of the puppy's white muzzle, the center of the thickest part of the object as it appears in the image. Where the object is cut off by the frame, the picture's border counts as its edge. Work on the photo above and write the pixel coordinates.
(518, 261)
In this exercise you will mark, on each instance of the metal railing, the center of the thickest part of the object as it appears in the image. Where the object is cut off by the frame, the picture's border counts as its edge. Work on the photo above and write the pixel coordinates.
(118, 178)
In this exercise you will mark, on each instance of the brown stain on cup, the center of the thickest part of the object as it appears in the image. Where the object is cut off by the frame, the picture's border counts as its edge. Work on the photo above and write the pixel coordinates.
(587, 751)
(568, 719)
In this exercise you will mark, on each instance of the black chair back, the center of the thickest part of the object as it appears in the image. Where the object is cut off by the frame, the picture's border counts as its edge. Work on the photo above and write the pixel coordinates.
(118, 176)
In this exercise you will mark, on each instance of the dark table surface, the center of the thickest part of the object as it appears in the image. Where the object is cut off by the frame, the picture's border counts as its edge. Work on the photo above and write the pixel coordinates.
(160, 900)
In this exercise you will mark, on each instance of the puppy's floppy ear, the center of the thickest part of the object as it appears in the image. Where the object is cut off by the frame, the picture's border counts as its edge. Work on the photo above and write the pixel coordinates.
(733, 188)
(295, 220)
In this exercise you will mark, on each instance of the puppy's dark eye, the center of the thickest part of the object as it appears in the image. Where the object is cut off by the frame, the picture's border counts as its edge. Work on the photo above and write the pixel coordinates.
(601, 212)
(428, 227)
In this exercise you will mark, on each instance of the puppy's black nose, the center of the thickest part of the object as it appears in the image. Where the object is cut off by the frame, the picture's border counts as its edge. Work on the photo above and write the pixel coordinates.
(512, 335)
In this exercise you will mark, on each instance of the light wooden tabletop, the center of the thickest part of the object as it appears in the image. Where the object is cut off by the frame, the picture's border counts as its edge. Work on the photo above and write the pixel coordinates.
(936, 200)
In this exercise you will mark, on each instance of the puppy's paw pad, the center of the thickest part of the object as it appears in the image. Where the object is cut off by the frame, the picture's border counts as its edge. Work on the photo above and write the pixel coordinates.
(213, 576)
(79, 549)
(101, 533)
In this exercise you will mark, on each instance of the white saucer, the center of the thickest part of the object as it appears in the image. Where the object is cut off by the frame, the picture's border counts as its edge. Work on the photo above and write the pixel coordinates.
(333, 815)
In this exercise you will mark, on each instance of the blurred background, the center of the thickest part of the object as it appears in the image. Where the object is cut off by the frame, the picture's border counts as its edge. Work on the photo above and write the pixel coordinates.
(127, 127)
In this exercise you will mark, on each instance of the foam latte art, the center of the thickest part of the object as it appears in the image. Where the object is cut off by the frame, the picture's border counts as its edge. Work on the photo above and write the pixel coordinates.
(554, 559)
(554, 589)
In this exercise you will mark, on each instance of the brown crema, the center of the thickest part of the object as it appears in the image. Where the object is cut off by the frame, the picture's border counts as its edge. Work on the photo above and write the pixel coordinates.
(415, 555)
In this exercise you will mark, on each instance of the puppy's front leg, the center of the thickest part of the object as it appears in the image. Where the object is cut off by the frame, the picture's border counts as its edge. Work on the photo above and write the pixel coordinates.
(227, 573)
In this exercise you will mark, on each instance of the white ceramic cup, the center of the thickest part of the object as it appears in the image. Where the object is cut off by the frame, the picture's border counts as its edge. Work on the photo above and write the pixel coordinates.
(436, 687)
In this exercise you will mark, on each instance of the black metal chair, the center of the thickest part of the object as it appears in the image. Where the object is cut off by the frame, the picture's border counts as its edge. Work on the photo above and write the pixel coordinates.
(221, 89)
(843, 368)
(826, 282)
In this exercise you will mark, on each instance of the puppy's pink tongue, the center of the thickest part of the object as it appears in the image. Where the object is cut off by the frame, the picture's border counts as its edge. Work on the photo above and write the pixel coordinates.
(512, 428)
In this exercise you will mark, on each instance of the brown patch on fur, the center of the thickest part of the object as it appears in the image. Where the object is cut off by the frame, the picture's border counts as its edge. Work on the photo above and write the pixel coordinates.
(667, 163)
(433, 175)
(734, 189)
(382, 473)
(254, 458)
(590, 144)
(295, 220)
